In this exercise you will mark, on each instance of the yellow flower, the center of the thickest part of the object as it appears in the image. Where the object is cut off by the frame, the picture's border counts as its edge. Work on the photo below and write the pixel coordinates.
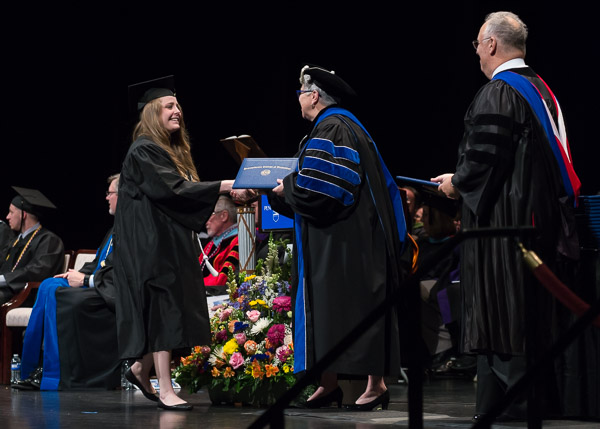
(249, 277)
(286, 368)
(257, 302)
(229, 372)
(197, 349)
(230, 347)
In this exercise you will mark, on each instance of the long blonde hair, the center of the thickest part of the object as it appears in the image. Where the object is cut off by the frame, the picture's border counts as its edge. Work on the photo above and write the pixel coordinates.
(176, 144)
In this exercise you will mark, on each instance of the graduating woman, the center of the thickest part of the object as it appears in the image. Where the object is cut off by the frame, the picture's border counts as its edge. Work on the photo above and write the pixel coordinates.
(161, 303)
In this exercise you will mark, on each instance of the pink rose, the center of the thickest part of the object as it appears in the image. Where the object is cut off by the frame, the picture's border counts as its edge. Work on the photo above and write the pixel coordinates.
(240, 338)
(253, 315)
(236, 360)
(225, 314)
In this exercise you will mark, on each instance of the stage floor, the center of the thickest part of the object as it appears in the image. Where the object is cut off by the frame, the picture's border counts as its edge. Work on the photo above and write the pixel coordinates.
(447, 403)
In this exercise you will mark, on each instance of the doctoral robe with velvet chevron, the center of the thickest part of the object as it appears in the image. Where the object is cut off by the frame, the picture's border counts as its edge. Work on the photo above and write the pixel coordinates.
(349, 245)
(508, 176)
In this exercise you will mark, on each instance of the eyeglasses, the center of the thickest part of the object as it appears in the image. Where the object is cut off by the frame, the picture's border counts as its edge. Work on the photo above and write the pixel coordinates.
(111, 192)
(217, 212)
(299, 92)
(476, 43)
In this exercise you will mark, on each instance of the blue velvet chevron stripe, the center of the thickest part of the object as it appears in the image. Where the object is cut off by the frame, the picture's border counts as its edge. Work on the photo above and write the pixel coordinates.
(328, 169)
(341, 152)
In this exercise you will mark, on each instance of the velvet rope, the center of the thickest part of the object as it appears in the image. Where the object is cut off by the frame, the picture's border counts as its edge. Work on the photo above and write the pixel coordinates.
(555, 286)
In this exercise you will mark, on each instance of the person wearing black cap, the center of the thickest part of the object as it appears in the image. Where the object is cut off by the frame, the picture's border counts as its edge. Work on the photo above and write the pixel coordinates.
(77, 321)
(514, 169)
(161, 303)
(37, 253)
(350, 233)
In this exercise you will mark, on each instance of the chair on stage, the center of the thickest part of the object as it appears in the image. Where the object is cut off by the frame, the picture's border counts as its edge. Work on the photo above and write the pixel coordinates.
(14, 318)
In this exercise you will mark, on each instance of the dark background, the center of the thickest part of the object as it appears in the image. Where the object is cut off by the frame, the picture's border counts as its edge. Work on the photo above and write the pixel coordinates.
(66, 72)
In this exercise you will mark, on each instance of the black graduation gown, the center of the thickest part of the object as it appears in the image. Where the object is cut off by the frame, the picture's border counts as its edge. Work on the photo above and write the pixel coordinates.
(44, 257)
(7, 238)
(348, 267)
(87, 329)
(508, 176)
(161, 303)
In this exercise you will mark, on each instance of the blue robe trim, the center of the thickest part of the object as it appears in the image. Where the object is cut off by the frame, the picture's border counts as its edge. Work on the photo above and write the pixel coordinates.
(326, 188)
(43, 322)
(522, 85)
(325, 145)
(300, 347)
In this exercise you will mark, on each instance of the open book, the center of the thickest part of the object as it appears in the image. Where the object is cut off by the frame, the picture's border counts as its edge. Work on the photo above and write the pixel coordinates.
(241, 147)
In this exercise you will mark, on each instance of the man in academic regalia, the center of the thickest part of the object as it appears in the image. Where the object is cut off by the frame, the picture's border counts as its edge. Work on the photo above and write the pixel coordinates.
(222, 249)
(7, 237)
(74, 318)
(37, 253)
(514, 169)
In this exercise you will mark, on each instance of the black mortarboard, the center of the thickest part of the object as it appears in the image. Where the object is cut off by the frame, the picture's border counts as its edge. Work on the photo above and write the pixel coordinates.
(429, 195)
(140, 94)
(328, 81)
(32, 201)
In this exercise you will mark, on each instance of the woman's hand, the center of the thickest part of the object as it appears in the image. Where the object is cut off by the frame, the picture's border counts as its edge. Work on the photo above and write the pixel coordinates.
(226, 186)
(243, 195)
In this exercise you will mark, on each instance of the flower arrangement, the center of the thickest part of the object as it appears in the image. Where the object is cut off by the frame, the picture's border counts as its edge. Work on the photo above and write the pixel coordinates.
(252, 350)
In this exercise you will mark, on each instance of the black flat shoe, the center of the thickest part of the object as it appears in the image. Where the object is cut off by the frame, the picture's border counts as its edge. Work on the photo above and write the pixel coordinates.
(383, 399)
(335, 395)
(178, 407)
(133, 380)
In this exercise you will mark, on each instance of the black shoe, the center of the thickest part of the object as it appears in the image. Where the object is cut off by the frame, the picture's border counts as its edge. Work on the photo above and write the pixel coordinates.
(178, 407)
(335, 395)
(30, 383)
(383, 399)
(133, 380)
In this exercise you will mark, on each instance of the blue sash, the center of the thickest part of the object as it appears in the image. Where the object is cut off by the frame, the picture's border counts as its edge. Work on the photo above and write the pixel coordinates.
(531, 94)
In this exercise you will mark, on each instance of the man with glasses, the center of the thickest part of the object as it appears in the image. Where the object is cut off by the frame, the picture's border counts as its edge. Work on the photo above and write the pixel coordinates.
(222, 249)
(514, 170)
(75, 309)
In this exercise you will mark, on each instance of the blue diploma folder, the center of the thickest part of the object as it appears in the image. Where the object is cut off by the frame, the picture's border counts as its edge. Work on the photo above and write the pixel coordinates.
(409, 180)
(262, 173)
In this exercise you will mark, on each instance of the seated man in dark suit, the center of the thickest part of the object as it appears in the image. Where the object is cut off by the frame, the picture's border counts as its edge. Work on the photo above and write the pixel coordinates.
(74, 316)
(37, 253)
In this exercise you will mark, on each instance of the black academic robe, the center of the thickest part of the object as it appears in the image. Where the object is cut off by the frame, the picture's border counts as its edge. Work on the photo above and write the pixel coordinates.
(348, 268)
(87, 329)
(507, 176)
(7, 238)
(161, 302)
(43, 258)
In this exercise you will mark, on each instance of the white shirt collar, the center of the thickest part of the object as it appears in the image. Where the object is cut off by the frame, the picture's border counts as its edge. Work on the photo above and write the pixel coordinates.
(30, 230)
(515, 63)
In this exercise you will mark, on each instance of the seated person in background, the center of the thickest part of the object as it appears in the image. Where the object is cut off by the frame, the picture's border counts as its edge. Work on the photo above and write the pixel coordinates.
(7, 238)
(415, 210)
(37, 253)
(92, 282)
(222, 248)
(439, 225)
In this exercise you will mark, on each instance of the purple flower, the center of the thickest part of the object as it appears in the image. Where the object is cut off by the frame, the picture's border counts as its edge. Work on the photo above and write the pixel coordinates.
(282, 303)
(221, 336)
(283, 352)
(276, 334)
